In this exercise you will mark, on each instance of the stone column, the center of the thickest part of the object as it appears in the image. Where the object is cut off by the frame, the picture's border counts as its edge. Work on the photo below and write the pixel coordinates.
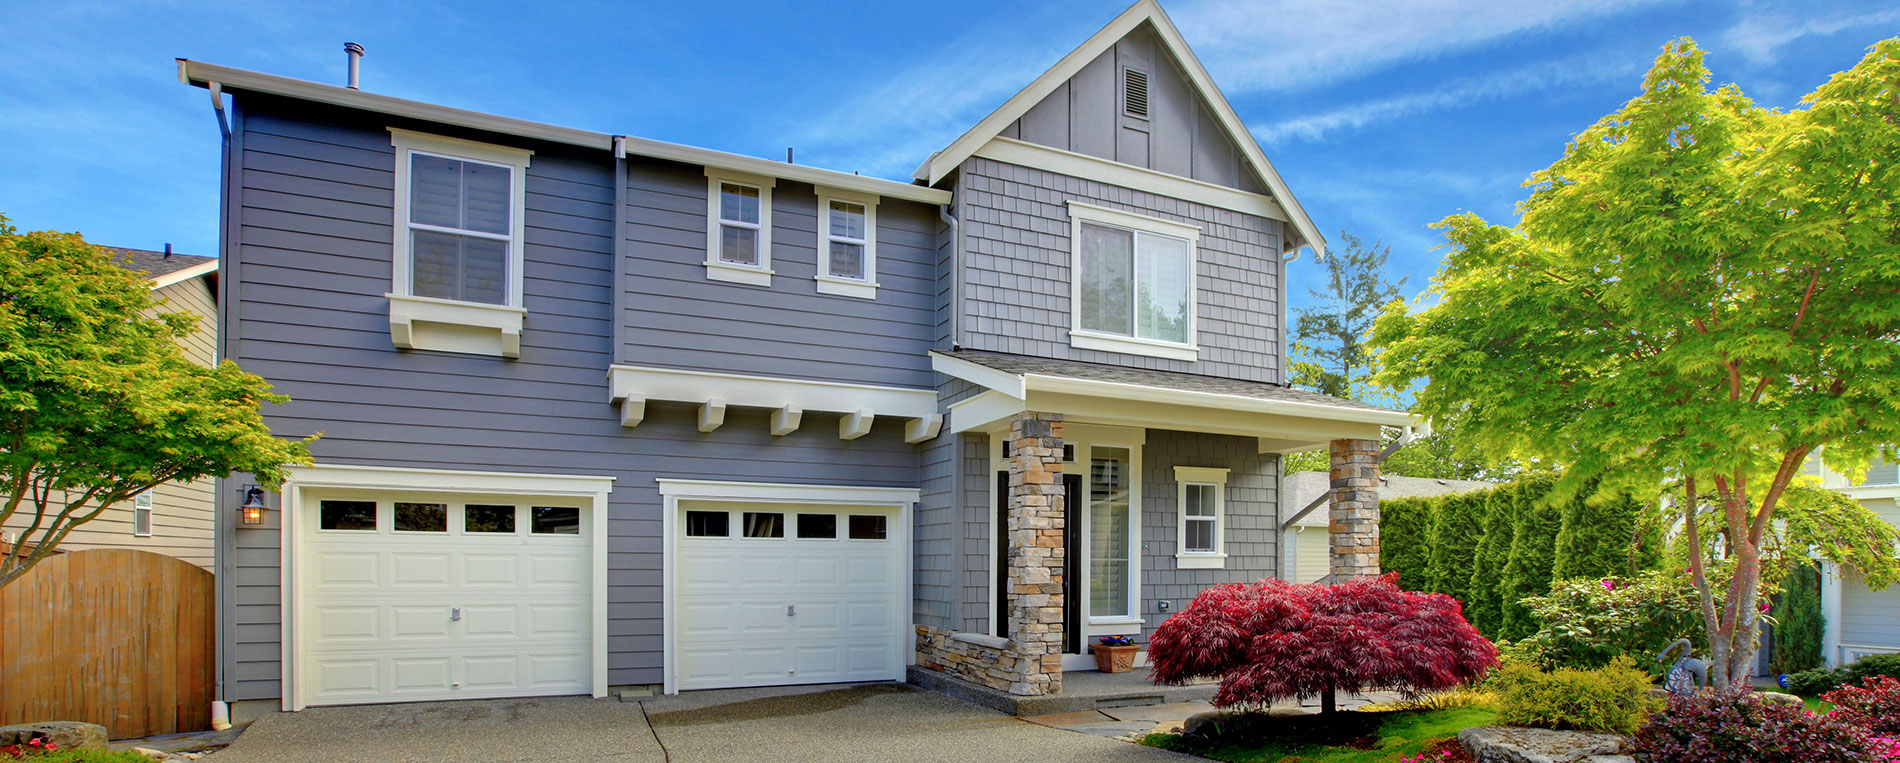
(1354, 512)
(1036, 552)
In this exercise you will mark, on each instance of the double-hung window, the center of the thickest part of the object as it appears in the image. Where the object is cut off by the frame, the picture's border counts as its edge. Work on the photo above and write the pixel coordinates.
(142, 514)
(847, 244)
(1202, 518)
(458, 246)
(1133, 283)
(738, 227)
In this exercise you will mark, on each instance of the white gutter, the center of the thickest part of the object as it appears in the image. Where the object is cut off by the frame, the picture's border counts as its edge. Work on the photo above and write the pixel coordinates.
(184, 274)
(205, 75)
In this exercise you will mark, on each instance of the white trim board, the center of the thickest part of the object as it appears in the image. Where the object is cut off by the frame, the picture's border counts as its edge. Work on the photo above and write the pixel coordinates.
(673, 491)
(596, 489)
(1037, 156)
(184, 274)
(224, 77)
(632, 386)
(944, 162)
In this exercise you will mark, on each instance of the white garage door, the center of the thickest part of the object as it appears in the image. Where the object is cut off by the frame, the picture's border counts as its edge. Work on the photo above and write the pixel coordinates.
(786, 594)
(419, 597)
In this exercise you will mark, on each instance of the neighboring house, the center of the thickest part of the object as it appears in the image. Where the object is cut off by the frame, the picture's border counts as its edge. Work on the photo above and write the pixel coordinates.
(1860, 621)
(1305, 545)
(601, 411)
(175, 518)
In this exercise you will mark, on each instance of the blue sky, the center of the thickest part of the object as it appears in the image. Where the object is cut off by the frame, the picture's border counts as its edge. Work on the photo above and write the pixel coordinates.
(1383, 116)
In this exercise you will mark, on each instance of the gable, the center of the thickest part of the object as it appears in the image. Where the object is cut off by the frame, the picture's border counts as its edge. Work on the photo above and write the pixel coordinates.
(1076, 107)
(1165, 126)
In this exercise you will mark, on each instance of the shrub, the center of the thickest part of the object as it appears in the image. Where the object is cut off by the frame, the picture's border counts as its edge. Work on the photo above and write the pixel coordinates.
(1799, 625)
(1405, 526)
(1533, 552)
(1821, 680)
(1598, 540)
(1484, 609)
(1614, 698)
(1732, 727)
(1274, 640)
(1454, 543)
(1588, 623)
(1873, 705)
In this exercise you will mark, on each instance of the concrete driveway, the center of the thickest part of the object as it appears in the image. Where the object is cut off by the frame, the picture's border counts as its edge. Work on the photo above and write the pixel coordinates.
(872, 722)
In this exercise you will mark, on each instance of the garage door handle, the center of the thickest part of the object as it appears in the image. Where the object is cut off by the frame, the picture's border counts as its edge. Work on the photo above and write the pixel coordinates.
(455, 614)
(791, 610)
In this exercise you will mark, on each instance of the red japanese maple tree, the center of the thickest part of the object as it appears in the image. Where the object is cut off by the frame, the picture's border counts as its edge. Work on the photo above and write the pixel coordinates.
(1274, 640)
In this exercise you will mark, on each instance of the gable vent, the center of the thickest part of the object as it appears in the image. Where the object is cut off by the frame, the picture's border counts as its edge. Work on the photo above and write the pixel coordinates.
(1135, 92)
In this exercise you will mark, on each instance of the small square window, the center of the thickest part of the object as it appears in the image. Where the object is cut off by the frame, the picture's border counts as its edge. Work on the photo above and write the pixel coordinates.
(346, 515)
(817, 525)
(422, 517)
(488, 518)
(763, 524)
(708, 524)
(867, 527)
(554, 520)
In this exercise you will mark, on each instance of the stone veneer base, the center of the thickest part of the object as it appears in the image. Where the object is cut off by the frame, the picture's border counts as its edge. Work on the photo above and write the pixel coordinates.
(1069, 702)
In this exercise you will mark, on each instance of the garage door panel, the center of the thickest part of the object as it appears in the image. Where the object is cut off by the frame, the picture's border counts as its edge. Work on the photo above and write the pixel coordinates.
(348, 624)
(562, 571)
(419, 622)
(419, 570)
(558, 620)
(491, 569)
(339, 570)
(419, 674)
(493, 672)
(492, 620)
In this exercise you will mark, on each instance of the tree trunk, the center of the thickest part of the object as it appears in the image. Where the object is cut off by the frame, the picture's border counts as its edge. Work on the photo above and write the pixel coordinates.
(1326, 703)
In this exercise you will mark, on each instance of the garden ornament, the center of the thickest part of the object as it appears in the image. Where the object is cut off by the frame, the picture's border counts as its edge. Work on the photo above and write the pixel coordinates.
(1688, 674)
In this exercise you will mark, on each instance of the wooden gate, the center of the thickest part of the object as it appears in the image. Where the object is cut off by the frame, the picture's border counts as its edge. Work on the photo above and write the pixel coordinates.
(116, 637)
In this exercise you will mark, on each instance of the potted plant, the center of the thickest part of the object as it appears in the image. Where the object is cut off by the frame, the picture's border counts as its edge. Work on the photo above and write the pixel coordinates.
(1116, 654)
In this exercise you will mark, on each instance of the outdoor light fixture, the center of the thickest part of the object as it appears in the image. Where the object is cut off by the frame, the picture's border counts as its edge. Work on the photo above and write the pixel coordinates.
(252, 512)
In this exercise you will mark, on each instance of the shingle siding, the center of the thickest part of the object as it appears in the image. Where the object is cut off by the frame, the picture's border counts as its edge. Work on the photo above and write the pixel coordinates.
(1250, 525)
(1017, 260)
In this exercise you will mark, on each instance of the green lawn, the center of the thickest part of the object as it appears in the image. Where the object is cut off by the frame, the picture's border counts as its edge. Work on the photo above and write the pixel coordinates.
(1353, 738)
(1817, 705)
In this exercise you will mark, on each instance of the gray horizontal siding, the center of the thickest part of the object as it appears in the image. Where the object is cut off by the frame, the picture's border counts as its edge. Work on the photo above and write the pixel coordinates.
(676, 317)
(311, 262)
(1017, 259)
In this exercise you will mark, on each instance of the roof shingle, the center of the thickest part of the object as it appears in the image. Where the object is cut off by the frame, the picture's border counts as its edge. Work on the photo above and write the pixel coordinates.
(153, 263)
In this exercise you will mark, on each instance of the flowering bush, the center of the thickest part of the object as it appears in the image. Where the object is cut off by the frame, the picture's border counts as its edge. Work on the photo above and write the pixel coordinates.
(1874, 705)
(1733, 727)
(1587, 623)
(1117, 641)
(1275, 640)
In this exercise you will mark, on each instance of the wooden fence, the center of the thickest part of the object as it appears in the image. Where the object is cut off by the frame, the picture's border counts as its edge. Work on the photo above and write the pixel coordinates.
(116, 637)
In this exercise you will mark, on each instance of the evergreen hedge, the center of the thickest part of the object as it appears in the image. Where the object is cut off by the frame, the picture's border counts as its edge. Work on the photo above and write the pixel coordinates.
(1405, 526)
(1485, 609)
(1798, 629)
(1533, 556)
(1598, 540)
(1457, 527)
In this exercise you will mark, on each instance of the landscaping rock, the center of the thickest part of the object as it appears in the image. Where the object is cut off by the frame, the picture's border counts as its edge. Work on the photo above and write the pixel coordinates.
(1778, 698)
(1511, 744)
(72, 735)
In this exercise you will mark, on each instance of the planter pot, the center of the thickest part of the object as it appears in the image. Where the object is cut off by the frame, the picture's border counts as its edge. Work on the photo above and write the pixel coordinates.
(1116, 659)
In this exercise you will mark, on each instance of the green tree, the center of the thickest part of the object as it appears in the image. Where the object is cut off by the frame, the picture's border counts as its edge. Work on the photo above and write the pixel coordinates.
(1532, 556)
(1329, 337)
(1700, 292)
(1456, 531)
(100, 401)
(1405, 526)
(1799, 626)
(1485, 610)
(1602, 537)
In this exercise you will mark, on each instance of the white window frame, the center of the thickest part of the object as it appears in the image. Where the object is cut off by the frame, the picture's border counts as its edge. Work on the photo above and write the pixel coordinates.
(863, 288)
(429, 323)
(1088, 339)
(142, 514)
(733, 272)
(1207, 478)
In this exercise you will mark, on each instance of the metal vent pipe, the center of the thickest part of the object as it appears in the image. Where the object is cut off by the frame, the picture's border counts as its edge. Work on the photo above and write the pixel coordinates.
(355, 52)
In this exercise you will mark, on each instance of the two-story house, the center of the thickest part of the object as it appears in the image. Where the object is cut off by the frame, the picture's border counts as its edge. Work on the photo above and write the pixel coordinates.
(1860, 620)
(601, 411)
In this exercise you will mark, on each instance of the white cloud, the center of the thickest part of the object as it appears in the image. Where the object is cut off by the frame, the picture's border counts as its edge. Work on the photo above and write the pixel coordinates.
(1252, 45)
(1760, 36)
(1573, 70)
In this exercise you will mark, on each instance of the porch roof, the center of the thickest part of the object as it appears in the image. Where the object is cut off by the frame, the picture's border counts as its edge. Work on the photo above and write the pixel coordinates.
(1285, 419)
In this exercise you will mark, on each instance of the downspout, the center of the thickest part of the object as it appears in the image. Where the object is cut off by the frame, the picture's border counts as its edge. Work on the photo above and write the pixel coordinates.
(949, 216)
(222, 538)
(217, 107)
(1412, 433)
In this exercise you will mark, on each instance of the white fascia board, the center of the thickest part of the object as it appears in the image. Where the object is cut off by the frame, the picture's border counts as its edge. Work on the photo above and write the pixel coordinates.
(946, 161)
(804, 174)
(769, 392)
(1034, 156)
(979, 375)
(982, 412)
(719, 490)
(1136, 392)
(447, 480)
(185, 274)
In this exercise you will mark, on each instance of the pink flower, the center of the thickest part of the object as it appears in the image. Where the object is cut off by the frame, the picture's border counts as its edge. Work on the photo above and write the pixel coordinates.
(1609, 585)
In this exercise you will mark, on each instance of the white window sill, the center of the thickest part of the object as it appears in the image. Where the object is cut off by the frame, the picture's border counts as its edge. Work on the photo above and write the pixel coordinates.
(751, 275)
(1083, 339)
(426, 323)
(1201, 561)
(847, 287)
(1114, 621)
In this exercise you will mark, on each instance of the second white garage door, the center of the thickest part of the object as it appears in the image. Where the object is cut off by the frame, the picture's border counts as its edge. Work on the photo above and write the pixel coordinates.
(773, 594)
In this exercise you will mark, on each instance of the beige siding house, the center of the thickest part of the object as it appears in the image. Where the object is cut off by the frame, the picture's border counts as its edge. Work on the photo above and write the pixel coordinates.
(1860, 620)
(174, 519)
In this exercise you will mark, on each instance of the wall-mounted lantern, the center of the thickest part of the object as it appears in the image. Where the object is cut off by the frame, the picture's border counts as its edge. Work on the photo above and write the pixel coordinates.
(253, 508)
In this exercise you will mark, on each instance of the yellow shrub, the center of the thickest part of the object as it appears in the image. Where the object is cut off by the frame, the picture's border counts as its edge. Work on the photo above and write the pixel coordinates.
(1613, 699)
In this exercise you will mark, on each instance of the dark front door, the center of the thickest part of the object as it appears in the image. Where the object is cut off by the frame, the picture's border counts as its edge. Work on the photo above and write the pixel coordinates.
(1071, 561)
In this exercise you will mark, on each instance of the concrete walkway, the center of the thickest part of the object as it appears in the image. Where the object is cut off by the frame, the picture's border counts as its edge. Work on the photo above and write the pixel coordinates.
(872, 722)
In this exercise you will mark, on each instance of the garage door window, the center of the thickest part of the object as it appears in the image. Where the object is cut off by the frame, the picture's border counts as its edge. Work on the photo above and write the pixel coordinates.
(422, 517)
(488, 518)
(867, 527)
(555, 520)
(708, 524)
(763, 524)
(347, 515)
(818, 526)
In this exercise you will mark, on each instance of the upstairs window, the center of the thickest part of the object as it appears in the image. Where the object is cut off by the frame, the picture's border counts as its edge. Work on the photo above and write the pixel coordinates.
(459, 213)
(739, 228)
(847, 244)
(1133, 283)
